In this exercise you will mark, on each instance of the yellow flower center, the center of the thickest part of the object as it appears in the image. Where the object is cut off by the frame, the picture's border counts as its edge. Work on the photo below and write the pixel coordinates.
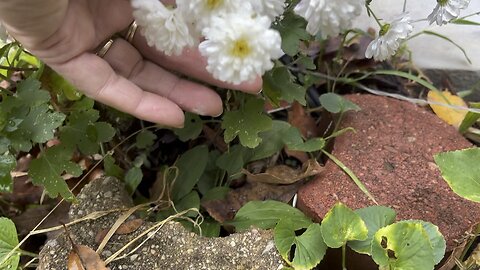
(213, 4)
(241, 48)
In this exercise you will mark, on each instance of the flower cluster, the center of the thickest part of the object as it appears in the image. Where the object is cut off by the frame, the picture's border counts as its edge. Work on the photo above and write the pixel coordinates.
(237, 37)
(239, 43)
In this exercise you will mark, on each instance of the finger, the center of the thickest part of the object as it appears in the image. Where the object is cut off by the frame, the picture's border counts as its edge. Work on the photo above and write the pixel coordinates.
(193, 97)
(98, 80)
(190, 63)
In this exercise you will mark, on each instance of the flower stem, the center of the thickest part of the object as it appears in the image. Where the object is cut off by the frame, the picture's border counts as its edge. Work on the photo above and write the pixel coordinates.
(344, 248)
(374, 16)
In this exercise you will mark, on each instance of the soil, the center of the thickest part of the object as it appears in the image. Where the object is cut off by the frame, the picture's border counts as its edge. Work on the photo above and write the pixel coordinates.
(392, 154)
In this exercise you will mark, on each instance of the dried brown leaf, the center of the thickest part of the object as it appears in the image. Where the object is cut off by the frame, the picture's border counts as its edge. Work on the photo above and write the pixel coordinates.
(282, 174)
(84, 258)
(299, 118)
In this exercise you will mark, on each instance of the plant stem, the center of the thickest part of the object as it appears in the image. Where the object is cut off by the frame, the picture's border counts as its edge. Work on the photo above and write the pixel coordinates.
(27, 253)
(17, 68)
(374, 16)
(344, 248)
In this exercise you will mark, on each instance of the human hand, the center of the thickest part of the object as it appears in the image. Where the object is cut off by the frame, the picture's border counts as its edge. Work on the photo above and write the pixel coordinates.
(130, 77)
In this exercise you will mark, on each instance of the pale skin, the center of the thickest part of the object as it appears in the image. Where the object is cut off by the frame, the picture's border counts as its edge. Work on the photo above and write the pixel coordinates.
(133, 78)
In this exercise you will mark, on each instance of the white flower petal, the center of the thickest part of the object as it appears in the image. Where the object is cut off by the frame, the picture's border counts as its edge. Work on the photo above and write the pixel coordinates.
(239, 48)
(165, 29)
(444, 13)
(329, 17)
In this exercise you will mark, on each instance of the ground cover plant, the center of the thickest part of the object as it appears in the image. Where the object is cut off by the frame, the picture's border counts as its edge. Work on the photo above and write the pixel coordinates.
(54, 140)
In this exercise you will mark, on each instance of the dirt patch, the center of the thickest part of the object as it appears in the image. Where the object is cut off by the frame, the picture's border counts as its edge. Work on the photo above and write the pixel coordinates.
(392, 154)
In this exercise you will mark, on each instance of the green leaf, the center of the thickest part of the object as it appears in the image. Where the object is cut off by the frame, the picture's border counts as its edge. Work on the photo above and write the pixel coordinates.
(133, 177)
(266, 214)
(312, 145)
(48, 168)
(210, 228)
(8, 241)
(437, 241)
(145, 139)
(306, 62)
(272, 140)
(278, 84)
(375, 217)
(309, 246)
(403, 246)
(191, 200)
(41, 124)
(216, 193)
(464, 22)
(193, 127)
(461, 171)
(7, 164)
(341, 224)
(112, 169)
(337, 104)
(292, 30)
(104, 132)
(212, 174)
(234, 159)
(30, 94)
(470, 119)
(191, 166)
(246, 123)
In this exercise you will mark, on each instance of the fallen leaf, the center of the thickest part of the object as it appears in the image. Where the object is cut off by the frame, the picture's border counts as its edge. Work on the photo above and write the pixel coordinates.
(299, 118)
(125, 228)
(84, 258)
(283, 174)
(225, 210)
(452, 116)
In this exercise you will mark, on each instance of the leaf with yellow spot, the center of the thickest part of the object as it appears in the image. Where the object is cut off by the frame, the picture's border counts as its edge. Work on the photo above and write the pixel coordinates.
(450, 115)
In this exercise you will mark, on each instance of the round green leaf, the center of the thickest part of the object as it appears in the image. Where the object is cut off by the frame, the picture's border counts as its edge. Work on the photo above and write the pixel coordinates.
(341, 224)
(436, 238)
(309, 246)
(335, 103)
(375, 217)
(461, 171)
(8, 241)
(403, 246)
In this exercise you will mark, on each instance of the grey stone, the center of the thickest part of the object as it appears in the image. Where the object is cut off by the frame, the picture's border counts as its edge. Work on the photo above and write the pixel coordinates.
(456, 80)
(172, 247)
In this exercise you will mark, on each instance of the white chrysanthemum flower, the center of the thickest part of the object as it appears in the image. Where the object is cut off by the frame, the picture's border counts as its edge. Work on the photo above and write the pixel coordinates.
(390, 38)
(329, 17)
(269, 8)
(447, 10)
(201, 12)
(163, 28)
(239, 48)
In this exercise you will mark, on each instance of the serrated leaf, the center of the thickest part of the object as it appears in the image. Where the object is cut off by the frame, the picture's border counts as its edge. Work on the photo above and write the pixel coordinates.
(8, 241)
(266, 214)
(452, 116)
(246, 123)
(145, 139)
(41, 124)
(437, 241)
(7, 164)
(278, 85)
(133, 177)
(309, 246)
(272, 140)
(341, 224)
(403, 246)
(191, 166)
(84, 132)
(192, 128)
(461, 171)
(50, 166)
(292, 30)
(337, 104)
(375, 217)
